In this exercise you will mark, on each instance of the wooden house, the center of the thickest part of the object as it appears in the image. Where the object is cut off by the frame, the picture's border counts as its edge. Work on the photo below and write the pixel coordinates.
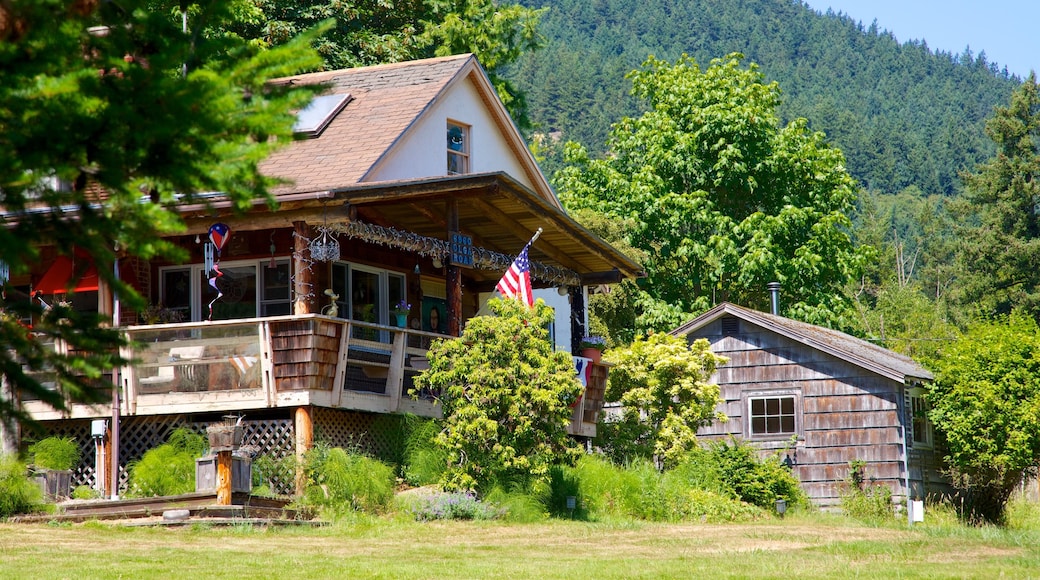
(408, 185)
(822, 399)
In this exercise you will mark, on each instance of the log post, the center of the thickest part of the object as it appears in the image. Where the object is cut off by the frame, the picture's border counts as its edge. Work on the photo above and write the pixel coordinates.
(304, 427)
(453, 278)
(224, 477)
(305, 297)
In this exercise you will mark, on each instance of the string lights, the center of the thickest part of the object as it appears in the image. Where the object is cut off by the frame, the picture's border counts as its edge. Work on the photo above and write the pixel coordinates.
(434, 248)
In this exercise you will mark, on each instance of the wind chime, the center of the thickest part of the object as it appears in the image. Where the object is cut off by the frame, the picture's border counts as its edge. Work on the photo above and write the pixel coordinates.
(219, 234)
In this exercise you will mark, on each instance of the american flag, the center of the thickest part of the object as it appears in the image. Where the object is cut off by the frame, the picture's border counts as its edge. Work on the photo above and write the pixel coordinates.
(516, 283)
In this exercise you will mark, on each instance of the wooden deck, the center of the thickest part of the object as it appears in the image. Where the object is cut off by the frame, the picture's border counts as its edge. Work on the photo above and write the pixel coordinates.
(285, 361)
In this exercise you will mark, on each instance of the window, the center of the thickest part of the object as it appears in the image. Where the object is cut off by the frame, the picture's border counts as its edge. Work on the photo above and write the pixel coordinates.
(367, 294)
(920, 426)
(458, 149)
(313, 119)
(249, 288)
(772, 416)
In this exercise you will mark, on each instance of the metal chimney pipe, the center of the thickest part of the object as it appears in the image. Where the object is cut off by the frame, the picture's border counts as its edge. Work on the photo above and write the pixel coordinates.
(774, 292)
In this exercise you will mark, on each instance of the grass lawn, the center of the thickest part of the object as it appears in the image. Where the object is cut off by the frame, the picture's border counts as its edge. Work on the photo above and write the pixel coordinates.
(810, 546)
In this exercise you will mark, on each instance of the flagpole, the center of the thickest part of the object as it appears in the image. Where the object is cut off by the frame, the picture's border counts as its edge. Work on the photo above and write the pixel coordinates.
(536, 234)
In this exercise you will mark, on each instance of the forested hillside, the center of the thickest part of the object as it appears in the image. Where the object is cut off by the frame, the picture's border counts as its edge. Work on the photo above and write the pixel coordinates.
(902, 114)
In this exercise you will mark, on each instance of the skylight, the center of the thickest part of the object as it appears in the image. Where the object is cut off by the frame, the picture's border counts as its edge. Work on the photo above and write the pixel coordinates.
(313, 119)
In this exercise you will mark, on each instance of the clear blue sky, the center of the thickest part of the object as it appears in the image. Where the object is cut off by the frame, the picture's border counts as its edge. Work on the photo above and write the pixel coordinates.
(1008, 30)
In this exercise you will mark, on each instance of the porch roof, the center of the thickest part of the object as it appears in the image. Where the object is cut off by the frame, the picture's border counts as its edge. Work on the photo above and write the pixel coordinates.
(499, 213)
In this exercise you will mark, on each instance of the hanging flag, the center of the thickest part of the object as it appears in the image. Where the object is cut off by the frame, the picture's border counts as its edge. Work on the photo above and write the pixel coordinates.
(516, 283)
(214, 276)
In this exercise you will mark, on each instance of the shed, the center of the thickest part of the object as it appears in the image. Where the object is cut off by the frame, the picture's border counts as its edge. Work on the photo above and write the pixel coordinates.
(822, 398)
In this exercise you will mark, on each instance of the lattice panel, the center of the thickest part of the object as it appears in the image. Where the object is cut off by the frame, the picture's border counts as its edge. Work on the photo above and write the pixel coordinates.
(79, 431)
(350, 430)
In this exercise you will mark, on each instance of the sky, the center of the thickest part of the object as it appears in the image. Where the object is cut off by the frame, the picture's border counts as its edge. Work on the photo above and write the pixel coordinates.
(1008, 30)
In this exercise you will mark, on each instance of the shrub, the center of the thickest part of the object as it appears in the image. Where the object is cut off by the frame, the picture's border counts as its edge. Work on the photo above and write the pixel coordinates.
(751, 478)
(451, 505)
(605, 489)
(18, 495)
(55, 453)
(348, 480)
(168, 469)
(424, 461)
(85, 492)
(859, 500)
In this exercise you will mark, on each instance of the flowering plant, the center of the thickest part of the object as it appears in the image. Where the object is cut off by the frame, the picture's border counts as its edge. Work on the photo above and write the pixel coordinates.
(595, 342)
(402, 307)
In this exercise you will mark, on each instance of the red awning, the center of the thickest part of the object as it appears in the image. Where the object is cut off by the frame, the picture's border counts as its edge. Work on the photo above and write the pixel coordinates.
(58, 276)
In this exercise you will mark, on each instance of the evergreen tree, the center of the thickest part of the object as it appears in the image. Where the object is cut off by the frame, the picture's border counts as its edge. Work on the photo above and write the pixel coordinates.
(110, 117)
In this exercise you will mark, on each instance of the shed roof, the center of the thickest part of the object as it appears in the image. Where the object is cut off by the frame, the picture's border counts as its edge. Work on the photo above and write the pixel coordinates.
(856, 351)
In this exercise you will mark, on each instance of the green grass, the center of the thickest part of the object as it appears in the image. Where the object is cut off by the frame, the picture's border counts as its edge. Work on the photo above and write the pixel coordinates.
(802, 545)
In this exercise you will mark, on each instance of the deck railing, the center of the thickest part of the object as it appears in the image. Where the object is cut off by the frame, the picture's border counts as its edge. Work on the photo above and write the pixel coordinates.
(286, 361)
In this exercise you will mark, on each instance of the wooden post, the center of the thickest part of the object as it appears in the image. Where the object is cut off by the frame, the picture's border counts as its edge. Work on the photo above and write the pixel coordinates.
(304, 428)
(224, 477)
(453, 278)
(577, 299)
(10, 432)
(303, 289)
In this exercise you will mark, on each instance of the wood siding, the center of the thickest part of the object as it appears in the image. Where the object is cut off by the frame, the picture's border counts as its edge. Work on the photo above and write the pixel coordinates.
(843, 411)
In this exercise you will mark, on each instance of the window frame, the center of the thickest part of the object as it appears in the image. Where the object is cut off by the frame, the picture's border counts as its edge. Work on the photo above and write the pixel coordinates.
(462, 155)
(796, 414)
(915, 397)
(385, 299)
(197, 278)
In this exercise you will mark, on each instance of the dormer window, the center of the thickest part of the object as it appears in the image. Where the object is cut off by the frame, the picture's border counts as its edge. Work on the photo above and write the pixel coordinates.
(458, 148)
(313, 119)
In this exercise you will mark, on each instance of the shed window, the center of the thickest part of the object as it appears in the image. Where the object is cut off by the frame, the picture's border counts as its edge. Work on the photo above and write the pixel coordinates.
(458, 149)
(772, 416)
(920, 426)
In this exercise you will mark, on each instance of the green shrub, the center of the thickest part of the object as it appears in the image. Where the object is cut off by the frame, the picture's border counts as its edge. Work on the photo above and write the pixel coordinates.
(55, 453)
(424, 461)
(85, 492)
(748, 476)
(18, 495)
(342, 480)
(525, 506)
(450, 505)
(563, 484)
(605, 489)
(168, 469)
(862, 501)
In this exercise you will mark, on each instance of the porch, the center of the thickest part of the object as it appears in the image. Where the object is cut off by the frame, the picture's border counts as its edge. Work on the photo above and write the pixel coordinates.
(294, 361)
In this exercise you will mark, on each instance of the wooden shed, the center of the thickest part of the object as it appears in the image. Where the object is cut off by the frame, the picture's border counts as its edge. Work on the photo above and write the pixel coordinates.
(838, 398)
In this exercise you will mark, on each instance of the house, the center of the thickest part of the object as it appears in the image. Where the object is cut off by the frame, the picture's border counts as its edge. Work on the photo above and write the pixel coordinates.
(821, 398)
(409, 185)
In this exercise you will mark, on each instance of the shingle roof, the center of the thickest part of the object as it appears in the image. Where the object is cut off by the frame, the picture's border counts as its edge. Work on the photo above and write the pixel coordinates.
(846, 347)
(386, 100)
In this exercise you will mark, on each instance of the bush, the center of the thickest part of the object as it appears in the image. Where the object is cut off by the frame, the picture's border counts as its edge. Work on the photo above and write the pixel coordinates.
(55, 453)
(424, 461)
(437, 505)
(859, 500)
(748, 476)
(18, 495)
(85, 492)
(342, 480)
(168, 469)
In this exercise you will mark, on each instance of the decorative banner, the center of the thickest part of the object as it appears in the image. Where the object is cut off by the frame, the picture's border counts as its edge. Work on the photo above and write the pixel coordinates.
(219, 234)
(213, 282)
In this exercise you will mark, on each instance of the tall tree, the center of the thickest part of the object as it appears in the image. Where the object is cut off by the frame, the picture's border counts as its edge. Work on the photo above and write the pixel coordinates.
(724, 198)
(1001, 215)
(986, 409)
(110, 116)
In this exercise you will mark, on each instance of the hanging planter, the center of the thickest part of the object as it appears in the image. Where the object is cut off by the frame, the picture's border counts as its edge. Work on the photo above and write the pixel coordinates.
(325, 247)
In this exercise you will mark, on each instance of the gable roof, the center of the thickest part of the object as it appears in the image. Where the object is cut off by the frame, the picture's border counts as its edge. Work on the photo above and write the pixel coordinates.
(859, 352)
(385, 102)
